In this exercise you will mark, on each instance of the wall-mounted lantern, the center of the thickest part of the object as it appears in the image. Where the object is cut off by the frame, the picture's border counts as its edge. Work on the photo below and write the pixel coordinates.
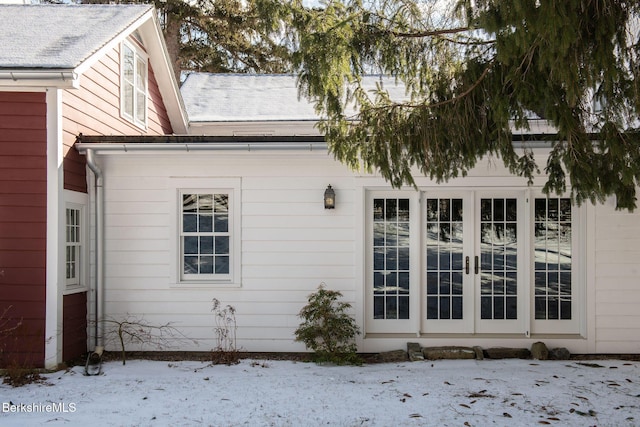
(329, 198)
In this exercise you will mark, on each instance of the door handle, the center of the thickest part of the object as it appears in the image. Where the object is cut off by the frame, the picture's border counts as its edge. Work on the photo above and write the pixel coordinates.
(466, 265)
(476, 265)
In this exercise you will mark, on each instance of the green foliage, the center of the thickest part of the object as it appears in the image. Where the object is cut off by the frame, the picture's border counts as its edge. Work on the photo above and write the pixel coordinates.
(327, 328)
(475, 73)
(219, 36)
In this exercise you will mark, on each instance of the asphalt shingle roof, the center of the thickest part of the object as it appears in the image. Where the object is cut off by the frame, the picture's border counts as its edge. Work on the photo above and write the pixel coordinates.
(212, 97)
(59, 36)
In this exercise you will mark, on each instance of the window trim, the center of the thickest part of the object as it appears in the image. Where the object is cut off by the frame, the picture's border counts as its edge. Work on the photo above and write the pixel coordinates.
(140, 55)
(76, 212)
(578, 274)
(213, 234)
(195, 185)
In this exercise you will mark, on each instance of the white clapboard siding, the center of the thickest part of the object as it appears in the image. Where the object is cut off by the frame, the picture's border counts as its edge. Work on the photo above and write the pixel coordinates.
(289, 242)
(314, 258)
(261, 246)
(135, 246)
(617, 280)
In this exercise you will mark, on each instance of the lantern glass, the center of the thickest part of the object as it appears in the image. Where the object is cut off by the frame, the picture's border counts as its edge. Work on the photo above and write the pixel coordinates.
(329, 198)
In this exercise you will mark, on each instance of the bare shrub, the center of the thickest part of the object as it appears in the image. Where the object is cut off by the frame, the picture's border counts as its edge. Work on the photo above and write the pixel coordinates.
(225, 329)
(136, 330)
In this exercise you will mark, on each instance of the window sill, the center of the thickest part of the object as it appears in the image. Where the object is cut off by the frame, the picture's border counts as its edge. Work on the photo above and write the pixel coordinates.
(205, 284)
(74, 290)
(132, 122)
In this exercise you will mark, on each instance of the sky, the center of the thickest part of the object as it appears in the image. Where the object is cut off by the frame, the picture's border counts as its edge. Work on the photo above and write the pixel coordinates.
(506, 392)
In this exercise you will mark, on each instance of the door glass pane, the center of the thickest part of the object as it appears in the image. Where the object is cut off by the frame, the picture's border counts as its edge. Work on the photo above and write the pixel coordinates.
(552, 265)
(391, 258)
(498, 254)
(444, 258)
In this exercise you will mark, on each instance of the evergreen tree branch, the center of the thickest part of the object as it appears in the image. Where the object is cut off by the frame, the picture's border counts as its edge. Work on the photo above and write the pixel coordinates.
(429, 33)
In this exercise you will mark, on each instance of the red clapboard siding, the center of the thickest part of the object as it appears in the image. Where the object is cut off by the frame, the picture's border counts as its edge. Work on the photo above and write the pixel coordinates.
(74, 326)
(23, 214)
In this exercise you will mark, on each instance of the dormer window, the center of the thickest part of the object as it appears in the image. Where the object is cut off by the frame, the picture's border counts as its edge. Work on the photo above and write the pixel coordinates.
(133, 85)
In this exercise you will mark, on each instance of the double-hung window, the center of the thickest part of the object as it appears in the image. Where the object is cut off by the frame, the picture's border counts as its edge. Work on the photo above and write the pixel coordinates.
(134, 85)
(206, 235)
(73, 247)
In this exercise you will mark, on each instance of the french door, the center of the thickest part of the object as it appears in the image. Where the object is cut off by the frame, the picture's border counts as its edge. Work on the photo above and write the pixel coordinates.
(474, 250)
(464, 274)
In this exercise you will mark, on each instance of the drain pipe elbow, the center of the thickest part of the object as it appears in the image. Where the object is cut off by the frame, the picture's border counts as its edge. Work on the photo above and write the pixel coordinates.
(99, 250)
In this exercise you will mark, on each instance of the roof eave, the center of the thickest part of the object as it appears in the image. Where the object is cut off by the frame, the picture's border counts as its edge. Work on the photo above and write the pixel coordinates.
(104, 144)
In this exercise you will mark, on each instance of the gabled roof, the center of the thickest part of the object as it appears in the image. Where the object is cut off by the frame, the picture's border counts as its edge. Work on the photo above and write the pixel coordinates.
(51, 45)
(244, 98)
(60, 36)
(256, 97)
(270, 105)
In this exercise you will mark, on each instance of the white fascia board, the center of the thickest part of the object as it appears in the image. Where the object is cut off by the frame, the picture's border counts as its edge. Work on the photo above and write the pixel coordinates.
(154, 42)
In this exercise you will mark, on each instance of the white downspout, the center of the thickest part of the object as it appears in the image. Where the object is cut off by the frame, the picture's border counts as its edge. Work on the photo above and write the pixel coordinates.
(99, 249)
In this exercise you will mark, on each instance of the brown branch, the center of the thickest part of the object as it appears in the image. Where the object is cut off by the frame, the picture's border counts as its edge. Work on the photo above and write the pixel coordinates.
(469, 43)
(431, 33)
(437, 104)
(448, 101)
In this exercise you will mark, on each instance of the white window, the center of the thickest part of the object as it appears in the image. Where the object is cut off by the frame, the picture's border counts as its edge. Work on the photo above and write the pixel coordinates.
(208, 236)
(133, 85)
(484, 262)
(73, 247)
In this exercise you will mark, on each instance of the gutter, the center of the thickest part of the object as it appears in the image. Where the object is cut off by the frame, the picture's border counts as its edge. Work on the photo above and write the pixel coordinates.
(65, 77)
(187, 143)
(187, 147)
(99, 249)
(131, 143)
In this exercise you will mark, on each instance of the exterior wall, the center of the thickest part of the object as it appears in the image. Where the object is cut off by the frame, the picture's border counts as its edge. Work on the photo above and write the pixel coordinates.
(290, 245)
(94, 109)
(617, 280)
(23, 201)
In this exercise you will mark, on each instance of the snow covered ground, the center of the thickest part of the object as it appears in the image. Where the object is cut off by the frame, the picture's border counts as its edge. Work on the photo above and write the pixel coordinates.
(286, 393)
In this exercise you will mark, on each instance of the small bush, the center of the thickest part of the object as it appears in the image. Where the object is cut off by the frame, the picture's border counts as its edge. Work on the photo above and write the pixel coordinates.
(328, 329)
